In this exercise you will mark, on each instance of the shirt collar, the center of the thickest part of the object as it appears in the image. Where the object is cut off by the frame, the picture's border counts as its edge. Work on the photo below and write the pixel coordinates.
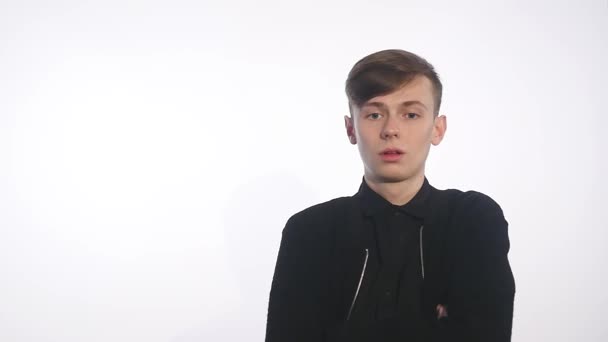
(374, 204)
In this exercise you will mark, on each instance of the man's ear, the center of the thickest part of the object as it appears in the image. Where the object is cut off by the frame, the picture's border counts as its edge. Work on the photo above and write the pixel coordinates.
(440, 125)
(350, 129)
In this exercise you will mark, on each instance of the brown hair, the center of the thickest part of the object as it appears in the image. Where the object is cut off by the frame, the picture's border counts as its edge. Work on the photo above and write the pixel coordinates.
(385, 71)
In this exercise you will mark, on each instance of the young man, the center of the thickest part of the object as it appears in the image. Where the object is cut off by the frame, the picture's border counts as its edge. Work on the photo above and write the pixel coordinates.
(399, 260)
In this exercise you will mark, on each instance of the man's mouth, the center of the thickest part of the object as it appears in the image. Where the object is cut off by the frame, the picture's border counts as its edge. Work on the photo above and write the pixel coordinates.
(391, 151)
(391, 154)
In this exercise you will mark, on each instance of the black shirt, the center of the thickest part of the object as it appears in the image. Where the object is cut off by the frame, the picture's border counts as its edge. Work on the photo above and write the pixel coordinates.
(317, 277)
(391, 303)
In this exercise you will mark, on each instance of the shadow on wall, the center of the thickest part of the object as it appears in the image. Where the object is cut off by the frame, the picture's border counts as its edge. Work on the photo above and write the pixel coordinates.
(254, 219)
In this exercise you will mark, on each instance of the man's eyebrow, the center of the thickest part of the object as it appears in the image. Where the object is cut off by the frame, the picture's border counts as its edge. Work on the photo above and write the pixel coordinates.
(403, 104)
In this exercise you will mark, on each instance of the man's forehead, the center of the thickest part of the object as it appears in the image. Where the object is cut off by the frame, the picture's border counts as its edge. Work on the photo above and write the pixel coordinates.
(407, 103)
(418, 91)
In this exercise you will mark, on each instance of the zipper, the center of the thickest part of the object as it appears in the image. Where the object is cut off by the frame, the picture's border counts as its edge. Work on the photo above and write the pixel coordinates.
(421, 252)
(352, 305)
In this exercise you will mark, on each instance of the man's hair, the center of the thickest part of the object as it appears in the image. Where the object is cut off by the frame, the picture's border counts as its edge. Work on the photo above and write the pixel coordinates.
(385, 71)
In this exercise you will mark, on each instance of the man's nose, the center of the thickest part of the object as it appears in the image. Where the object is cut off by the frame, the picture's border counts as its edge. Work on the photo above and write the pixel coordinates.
(390, 128)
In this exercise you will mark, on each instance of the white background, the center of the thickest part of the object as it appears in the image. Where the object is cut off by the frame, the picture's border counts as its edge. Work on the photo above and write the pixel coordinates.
(151, 152)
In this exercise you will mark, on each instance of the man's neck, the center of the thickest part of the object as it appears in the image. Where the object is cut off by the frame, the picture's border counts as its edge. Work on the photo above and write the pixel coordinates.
(398, 193)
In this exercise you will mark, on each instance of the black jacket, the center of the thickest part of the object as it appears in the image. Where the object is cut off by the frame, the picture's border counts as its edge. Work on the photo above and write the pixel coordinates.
(322, 256)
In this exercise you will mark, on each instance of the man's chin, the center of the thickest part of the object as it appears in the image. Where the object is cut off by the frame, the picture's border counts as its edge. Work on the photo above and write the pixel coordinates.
(392, 173)
(390, 177)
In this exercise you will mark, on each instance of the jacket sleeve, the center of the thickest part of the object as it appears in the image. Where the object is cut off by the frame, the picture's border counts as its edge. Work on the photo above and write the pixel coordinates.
(481, 285)
(294, 312)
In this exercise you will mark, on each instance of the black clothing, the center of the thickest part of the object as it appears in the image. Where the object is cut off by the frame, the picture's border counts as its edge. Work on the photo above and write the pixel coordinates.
(393, 300)
(348, 270)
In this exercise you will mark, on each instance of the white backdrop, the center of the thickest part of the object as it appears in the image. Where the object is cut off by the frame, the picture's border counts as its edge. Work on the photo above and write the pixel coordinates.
(151, 152)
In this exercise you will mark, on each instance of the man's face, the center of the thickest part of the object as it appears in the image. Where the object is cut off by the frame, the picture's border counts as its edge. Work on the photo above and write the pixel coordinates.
(394, 132)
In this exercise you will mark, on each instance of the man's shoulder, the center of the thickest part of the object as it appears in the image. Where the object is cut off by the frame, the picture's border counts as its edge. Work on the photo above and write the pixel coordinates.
(476, 201)
(477, 214)
(318, 221)
(323, 212)
(468, 199)
(469, 211)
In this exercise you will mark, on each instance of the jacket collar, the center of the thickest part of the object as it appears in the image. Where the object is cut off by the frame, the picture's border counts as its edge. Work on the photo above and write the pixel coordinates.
(373, 204)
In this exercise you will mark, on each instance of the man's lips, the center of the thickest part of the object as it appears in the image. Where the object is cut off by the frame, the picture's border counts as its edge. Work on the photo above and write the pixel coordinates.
(391, 150)
(391, 154)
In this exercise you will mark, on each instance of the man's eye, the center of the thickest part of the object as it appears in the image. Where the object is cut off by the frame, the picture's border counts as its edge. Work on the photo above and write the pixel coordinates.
(412, 115)
(374, 116)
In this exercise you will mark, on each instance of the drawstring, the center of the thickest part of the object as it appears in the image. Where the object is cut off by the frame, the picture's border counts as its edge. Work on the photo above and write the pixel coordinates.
(352, 305)
(421, 251)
